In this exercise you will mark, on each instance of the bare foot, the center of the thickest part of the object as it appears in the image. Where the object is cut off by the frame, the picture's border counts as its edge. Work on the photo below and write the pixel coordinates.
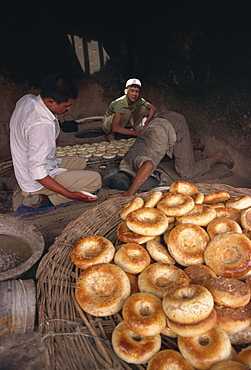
(223, 157)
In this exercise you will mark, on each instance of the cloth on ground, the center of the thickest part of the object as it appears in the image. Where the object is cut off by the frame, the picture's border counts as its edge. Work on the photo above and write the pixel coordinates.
(23, 211)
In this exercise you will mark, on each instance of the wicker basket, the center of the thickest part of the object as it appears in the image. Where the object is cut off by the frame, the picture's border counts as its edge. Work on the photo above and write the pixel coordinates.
(72, 338)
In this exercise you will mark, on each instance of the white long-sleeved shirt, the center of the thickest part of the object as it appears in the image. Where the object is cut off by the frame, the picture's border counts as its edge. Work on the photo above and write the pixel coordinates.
(33, 132)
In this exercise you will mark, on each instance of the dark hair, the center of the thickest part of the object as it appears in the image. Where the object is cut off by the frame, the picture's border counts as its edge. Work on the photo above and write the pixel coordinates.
(59, 87)
(134, 85)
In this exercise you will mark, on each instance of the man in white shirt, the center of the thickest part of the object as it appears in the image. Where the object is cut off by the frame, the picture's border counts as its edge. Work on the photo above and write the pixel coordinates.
(34, 129)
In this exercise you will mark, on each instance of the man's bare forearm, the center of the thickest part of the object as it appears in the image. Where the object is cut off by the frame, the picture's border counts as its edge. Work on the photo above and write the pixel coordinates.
(142, 175)
(49, 183)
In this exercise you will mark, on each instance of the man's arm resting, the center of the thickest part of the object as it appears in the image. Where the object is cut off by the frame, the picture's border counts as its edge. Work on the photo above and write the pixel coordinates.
(142, 175)
(152, 111)
(49, 183)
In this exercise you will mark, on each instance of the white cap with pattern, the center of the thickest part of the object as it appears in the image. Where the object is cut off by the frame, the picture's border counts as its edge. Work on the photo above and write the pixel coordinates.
(133, 81)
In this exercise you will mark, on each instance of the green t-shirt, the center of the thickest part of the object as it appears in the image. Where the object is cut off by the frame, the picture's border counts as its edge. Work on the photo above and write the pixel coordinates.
(120, 104)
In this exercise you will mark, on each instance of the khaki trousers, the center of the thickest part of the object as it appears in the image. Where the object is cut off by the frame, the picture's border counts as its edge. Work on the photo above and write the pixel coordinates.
(75, 179)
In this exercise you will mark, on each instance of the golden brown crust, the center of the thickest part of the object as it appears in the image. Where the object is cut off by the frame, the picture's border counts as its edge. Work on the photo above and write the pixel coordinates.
(198, 198)
(153, 198)
(227, 212)
(188, 304)
(201, 215)
(240, 203)
(91, 250)
(176, 204)
(168, 332)
(228, 365)
(159, 252)
(127, 236)
(229, 292)
(166, 234)
(229, 255)
(132, 205)
(205, 350)
(187, 244)
(246, 219)
(134, 282)
(198, 274)
(147, 222)
(196, 328)
(247, 233)
(242, 337)
(183, 187)
(102, 289)
(244, 357)
(216, 205)
(133, 348)
(168, 359)
(248, 282)
(132, 258)
(143, 313)
(233, 319)
(159, 278)
(222, 225)
(216, 197)
(165, 193)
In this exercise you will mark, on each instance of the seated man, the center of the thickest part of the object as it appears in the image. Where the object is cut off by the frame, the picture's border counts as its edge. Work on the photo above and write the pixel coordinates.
(34, 129)
(168, 134)
(126, 111)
